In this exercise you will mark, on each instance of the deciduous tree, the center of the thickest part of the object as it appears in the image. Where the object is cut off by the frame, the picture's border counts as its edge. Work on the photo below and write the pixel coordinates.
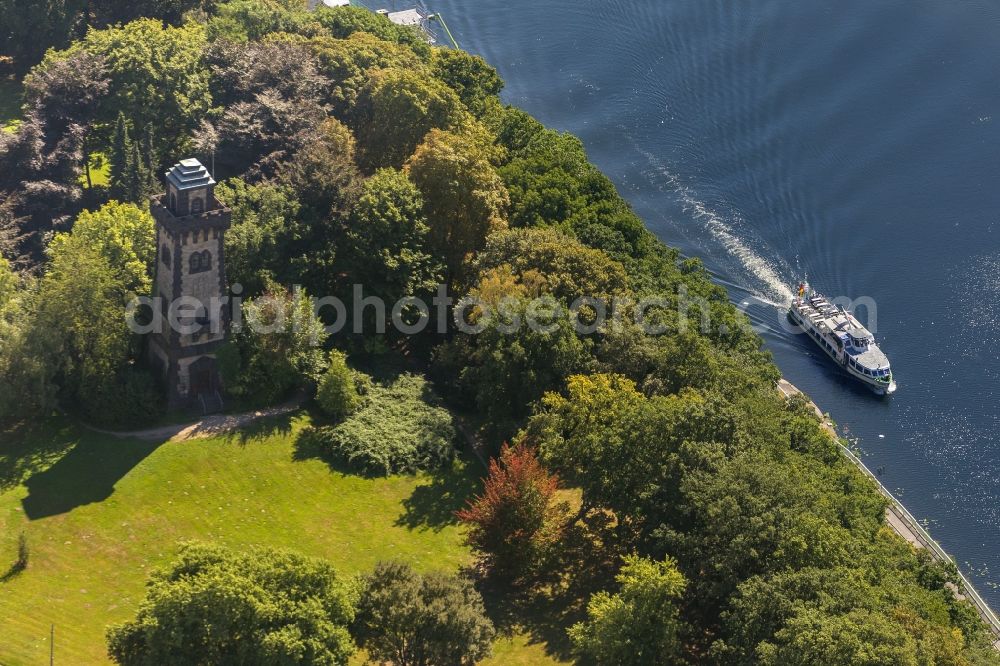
(464, 198)
(276, 348)
(273, 104)
(475, 81)
(516, 519)
(395, 112)
(157, 74)
(388, 240)
(509, 363)
(125, 234)
(408, 619)
(344, 22)
(215, 606)
(568, 269)
(326, 183)
(257, 243)
(639, 625)
(350, 63)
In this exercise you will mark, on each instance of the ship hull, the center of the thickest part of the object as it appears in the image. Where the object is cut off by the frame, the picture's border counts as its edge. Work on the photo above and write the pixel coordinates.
(878, 388)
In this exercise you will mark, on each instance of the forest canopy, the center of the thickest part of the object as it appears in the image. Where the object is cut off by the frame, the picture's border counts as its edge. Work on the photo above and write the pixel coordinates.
(350, 151)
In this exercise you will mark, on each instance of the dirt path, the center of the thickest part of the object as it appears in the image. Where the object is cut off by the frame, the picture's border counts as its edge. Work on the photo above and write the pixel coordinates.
(209, 426)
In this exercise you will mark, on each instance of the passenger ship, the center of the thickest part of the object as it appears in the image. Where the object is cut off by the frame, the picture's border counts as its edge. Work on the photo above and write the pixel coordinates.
(839, 333)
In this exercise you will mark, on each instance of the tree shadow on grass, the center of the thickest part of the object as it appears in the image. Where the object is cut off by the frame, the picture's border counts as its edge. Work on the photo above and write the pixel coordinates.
(87, 473)
(265, 428)
(585, 562)
(308, 446)
(433, 505)
(13, 571)
(30, 447)
(542, 615)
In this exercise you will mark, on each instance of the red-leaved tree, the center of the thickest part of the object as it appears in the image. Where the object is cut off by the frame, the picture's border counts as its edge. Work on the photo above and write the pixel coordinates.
(516, 519)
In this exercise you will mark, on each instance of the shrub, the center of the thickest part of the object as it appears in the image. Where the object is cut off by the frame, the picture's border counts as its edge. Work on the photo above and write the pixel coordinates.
(21, 562)
(429, 620)
(131, 400)
(337, 394)
(399, 430)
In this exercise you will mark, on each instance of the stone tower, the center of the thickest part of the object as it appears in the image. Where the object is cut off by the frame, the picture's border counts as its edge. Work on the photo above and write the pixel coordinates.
(190, 283)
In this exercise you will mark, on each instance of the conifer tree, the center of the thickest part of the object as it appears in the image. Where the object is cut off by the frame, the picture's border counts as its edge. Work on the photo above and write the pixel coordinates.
(149, 160)
(120, 158)
(136, 179)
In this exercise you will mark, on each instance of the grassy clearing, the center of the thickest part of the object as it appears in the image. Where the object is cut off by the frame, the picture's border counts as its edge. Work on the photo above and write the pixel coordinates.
(10, 104)
(100, 171)
(99, 513)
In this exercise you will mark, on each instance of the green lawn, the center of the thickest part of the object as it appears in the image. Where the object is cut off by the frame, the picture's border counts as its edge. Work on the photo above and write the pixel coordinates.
(100, 171)
(99, 513)
(10, 104)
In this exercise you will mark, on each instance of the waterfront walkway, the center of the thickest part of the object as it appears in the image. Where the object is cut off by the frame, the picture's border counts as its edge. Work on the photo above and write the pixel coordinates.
(902, 521)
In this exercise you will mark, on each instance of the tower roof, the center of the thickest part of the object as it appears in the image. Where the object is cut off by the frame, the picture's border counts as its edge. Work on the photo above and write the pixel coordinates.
(189, 174)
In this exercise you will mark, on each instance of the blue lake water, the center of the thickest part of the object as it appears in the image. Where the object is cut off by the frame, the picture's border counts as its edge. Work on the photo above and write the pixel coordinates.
(856, 143)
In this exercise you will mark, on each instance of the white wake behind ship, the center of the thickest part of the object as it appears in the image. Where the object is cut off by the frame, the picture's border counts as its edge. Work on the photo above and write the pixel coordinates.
(839, 333)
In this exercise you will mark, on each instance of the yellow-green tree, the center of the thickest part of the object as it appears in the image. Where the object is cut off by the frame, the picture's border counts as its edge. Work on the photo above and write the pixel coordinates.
(125, 235)
(464, 198)
(395, 112)
(350, 63)
(640, 624)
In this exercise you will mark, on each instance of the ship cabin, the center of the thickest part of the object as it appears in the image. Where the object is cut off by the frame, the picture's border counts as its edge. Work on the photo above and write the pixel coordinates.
(863, 356)
(859, 338)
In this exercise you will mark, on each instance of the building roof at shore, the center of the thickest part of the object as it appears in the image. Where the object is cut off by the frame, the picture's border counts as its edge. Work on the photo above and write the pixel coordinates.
(406, 17)
(313, 4)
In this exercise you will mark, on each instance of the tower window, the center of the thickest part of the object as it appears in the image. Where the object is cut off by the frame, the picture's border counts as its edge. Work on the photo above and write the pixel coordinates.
(165, 255)
(197, 206)
(199, 262)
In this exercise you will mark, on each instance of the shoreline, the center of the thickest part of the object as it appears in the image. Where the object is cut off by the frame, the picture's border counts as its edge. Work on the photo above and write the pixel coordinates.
(902, 522)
